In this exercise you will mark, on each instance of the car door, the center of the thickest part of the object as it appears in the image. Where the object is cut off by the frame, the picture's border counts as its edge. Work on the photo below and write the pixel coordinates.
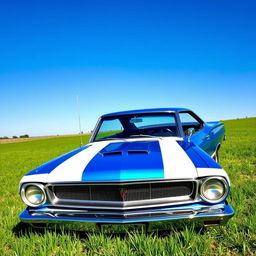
(201, 136)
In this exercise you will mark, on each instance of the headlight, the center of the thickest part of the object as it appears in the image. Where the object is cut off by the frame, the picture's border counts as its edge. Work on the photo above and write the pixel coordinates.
(33, 194)
(214, 190)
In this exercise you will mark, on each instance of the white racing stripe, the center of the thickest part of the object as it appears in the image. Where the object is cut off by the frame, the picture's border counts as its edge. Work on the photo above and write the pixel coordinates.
(72, 169)
(177, 164)
(35, 178)
(206, 172)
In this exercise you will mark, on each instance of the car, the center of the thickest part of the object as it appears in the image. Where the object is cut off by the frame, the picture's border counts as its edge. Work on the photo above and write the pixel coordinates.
(144, 166)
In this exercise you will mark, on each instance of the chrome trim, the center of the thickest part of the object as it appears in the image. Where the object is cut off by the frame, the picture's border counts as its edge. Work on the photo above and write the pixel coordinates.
(123, 182)
(95, 204)
(95, 130)
(109, 207)
(223, 181)
(170, 211)
(23, 193)
(218, 214)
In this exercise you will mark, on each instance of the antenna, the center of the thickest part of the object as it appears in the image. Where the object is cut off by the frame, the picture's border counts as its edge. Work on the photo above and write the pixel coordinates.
(79, 121)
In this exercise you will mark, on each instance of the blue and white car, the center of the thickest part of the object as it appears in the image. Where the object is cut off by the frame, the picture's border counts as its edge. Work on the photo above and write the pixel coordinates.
(142, 166)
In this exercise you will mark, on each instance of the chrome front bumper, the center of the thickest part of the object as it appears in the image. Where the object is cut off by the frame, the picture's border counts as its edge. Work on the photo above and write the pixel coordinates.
(203, 215)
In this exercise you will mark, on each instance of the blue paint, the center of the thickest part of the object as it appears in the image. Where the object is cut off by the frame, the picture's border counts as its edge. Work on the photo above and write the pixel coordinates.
(151, 110)
(199, 157)
(209, 162)
(49, 166)
(126, 166)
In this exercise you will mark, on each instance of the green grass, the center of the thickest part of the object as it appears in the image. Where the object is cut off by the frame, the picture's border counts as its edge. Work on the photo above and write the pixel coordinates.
(238, 237)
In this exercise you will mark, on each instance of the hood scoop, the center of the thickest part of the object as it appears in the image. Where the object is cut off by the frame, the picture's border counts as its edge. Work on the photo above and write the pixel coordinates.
(129, 152)
(114, 153)
(137, 152)
(129, 148)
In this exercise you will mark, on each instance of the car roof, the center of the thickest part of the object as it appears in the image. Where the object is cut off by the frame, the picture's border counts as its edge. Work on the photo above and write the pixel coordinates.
(142, 111)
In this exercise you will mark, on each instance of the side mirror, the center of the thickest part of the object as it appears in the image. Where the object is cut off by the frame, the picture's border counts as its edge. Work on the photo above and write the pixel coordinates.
(190, 131)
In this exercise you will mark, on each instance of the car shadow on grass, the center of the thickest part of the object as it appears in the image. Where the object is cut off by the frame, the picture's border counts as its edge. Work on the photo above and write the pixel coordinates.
(120, 231)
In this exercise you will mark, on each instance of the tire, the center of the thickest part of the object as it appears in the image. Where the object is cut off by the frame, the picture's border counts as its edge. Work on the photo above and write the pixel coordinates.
(216, 156)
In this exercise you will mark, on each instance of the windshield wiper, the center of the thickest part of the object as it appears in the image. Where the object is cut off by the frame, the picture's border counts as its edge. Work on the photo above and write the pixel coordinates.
(131, 136)
(111, 139)
(143, 135)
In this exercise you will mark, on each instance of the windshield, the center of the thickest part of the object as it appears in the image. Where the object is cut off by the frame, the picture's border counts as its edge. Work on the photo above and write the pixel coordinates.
(142, 125)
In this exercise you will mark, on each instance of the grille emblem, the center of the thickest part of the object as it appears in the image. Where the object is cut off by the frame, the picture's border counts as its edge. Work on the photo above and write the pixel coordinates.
(123, 193)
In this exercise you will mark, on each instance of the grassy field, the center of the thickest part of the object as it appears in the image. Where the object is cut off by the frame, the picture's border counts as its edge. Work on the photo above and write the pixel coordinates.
(238, 237)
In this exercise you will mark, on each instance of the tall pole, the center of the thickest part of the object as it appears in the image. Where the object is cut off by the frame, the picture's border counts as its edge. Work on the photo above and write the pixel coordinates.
(79, 120)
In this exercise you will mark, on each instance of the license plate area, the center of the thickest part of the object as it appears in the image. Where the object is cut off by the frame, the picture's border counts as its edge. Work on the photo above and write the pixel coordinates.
(122, 228)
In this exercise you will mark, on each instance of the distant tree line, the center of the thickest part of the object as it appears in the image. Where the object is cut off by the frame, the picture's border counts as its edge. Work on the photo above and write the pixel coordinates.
(15, 137)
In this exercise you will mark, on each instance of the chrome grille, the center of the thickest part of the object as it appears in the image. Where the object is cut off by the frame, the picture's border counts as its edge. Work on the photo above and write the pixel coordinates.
(121, 194)
(128, 192)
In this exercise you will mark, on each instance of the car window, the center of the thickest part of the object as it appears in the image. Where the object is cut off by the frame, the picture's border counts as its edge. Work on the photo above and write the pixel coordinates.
(186, 118)
(109, 128)
(189, 121)
(137, 125)
(153, 121)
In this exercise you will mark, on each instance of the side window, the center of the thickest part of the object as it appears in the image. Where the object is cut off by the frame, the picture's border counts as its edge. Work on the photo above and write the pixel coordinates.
(189, 121)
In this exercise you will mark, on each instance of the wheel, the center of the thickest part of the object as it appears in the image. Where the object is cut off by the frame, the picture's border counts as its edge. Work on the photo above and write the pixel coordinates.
(216, 156)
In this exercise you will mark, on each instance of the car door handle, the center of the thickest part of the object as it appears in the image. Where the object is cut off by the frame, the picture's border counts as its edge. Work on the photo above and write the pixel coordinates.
(207, 137)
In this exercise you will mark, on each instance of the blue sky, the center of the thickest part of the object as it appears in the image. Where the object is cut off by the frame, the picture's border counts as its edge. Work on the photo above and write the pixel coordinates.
(119, 55)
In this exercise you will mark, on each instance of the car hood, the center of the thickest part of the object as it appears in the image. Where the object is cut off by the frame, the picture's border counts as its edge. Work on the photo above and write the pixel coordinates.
(140, 159)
